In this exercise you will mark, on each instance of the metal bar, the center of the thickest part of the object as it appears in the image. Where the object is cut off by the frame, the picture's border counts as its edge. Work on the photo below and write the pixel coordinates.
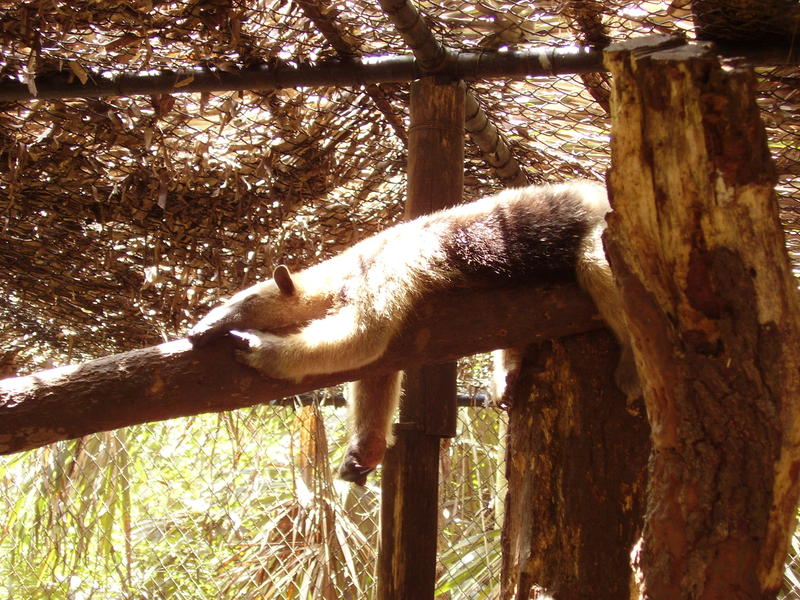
(338, 400)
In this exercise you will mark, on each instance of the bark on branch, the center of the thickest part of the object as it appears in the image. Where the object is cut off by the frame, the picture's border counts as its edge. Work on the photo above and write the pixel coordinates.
(173, 380)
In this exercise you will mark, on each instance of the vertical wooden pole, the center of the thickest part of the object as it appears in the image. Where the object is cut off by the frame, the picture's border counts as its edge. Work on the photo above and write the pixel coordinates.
(409, 509)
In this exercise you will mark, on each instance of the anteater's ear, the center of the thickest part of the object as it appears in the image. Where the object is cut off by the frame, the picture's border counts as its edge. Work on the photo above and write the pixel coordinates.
(283, 278)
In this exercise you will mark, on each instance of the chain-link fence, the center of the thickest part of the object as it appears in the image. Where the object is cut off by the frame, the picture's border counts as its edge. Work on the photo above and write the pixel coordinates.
(241, 505)
(237, 505)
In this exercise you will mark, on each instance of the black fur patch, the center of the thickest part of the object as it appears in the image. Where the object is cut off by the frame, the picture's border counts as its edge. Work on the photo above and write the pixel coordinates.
(533, 238)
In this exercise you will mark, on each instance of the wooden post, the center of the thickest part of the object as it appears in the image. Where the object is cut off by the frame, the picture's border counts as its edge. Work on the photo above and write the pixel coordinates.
(409, 509)
(696, 244)
(577, 451)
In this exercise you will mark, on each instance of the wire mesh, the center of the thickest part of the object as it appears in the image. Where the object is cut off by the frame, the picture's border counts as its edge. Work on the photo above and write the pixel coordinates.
(125, 218)
(237, 505)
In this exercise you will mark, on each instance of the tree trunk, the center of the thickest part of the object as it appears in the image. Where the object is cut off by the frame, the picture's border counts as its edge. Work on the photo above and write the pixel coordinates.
(696, 246)
(577, 452)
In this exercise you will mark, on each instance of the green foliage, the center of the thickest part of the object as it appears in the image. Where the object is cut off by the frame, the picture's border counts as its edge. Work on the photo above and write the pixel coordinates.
(473, 567)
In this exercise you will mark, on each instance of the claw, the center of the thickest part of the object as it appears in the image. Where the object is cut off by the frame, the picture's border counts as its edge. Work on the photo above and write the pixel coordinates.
(244, 341)
(352, 471)
(215, 324)
(200, 336)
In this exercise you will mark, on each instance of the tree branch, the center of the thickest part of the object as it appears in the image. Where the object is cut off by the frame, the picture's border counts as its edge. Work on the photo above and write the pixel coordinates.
(353, 72)
(539, 62)
(174, 380)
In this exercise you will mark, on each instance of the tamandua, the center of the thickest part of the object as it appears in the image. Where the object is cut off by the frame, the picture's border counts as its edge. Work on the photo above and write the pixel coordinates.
(341, 314)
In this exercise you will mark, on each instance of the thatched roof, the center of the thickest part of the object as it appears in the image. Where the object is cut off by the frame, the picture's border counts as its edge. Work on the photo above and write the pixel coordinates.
(123, 218)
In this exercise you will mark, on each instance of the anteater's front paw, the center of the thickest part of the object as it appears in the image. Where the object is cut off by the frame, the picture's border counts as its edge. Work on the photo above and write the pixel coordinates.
(206, 330)
(260, 350)
(214, 325)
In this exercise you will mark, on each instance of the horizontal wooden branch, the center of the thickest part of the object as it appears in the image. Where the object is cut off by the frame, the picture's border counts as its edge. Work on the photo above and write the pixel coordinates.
(174, 380)
(348, 73)
(353, 72)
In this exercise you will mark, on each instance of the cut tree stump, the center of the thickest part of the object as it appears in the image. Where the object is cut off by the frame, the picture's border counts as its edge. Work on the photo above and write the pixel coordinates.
(696, 245)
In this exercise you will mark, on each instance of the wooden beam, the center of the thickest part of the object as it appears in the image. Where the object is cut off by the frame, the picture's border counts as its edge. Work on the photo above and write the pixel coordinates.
(173, 380)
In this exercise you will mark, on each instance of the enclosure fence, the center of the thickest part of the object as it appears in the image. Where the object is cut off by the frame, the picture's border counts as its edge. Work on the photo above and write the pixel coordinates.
(242, 504)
